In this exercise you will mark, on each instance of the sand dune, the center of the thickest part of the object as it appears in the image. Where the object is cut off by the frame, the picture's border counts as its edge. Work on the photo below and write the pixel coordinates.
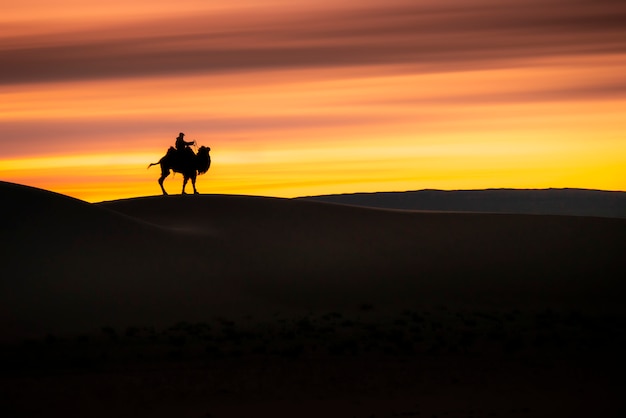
(70, 265)
(230, 306)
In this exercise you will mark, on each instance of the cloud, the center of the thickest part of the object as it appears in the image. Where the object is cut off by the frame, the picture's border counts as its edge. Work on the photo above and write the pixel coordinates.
(432, 36)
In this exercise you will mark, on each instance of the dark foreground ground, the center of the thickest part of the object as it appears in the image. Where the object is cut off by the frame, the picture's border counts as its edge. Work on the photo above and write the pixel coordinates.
(436, 363)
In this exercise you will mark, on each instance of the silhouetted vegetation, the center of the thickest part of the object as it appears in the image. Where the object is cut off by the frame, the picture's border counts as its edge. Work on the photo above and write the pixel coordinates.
(410, 333)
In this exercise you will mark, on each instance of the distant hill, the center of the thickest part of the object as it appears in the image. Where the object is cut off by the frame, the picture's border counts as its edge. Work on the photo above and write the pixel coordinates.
(577, 202)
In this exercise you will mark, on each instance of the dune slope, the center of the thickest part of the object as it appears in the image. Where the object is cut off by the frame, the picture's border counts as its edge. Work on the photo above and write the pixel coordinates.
(70, 266)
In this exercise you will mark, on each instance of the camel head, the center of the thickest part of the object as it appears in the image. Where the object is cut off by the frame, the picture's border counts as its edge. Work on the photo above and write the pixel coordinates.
(203, 159)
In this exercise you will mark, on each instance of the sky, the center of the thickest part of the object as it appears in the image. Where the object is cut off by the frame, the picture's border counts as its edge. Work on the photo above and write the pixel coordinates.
(307, 97)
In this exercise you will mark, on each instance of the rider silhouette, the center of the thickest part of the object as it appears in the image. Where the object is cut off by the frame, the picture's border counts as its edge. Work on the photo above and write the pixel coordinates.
(181, 143)
(183, 152)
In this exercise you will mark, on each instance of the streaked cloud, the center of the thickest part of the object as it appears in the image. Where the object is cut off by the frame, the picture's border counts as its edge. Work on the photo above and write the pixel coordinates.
(430, 36)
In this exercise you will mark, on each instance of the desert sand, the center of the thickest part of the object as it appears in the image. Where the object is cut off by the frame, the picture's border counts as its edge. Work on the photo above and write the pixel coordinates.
(222, 306)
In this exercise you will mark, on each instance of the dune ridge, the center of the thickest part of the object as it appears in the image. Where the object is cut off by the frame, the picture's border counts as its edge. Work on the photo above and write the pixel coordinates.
(70, 265)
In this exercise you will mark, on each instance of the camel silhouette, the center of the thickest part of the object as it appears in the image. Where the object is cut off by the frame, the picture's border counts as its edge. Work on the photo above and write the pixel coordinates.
(185, 162)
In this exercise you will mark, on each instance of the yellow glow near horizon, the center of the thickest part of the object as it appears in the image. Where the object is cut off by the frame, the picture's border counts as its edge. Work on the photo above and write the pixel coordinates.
(285, 123)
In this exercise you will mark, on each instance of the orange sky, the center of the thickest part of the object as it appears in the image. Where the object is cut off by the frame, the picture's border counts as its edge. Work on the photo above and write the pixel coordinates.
(313, 97)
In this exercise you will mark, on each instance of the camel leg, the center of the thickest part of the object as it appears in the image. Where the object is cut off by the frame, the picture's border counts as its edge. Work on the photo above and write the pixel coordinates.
(164, 174)
(185, 180)
(193, 183)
